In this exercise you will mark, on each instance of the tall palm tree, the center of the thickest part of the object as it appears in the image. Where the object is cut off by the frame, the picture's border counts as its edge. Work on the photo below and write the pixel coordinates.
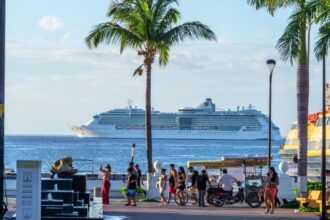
(151, 27)
(293, 45)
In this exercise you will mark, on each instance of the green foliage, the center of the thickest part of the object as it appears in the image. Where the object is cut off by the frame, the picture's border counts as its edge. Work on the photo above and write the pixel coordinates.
(139, 191)
(309, 209)
(295, 191)
(314, 185)
(294, 204)
(150, 26)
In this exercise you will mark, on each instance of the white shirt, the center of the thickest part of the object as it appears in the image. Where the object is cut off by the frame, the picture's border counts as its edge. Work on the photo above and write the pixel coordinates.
(225, 180)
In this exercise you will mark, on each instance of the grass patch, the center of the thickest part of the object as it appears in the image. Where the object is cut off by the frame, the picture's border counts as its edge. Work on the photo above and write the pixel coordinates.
(309, 209)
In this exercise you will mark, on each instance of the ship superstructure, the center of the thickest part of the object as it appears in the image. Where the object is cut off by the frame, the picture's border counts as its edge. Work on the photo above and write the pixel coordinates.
(201, 122)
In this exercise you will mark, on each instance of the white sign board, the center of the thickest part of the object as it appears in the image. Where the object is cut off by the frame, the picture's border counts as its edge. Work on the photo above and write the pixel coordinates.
(28, 190)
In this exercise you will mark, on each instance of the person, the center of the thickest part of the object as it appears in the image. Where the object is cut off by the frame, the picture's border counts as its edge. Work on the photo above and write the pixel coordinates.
(181, 184)
(202, 180)
(225, 181)
(138, 173)
(131, 165)
(271, 183)
(162, 186)
(131, 187)
(172, 181)
(105, 183)
(193, 188)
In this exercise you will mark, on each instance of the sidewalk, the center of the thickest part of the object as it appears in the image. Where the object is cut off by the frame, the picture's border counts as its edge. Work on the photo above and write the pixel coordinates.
(153, 211)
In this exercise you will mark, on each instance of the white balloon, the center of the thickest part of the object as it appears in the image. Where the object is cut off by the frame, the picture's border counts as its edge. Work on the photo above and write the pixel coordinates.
(284, 166)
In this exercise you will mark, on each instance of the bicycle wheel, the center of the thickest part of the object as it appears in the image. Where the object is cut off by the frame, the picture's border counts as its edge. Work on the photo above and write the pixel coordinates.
(217, 201)
(181, 198)
(254, 200)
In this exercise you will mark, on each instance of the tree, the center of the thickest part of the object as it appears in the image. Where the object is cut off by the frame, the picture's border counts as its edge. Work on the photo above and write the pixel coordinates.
(293, 45)
(150, 27)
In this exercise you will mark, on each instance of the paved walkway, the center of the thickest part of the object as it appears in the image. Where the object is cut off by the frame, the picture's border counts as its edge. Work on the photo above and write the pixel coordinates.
(153, 211)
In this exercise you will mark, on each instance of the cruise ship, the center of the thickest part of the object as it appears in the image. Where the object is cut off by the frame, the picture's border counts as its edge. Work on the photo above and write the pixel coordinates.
(201, 122)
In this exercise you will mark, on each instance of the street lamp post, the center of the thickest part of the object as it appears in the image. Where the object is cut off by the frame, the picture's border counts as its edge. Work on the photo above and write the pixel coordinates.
(323, 166)
(271, 65)
(2, 98)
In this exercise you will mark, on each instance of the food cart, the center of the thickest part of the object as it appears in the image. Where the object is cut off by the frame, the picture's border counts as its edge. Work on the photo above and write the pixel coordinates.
(248, 169)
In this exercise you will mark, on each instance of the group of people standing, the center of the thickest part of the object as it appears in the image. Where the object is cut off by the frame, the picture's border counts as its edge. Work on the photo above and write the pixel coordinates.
(133, 181)
(177, 184)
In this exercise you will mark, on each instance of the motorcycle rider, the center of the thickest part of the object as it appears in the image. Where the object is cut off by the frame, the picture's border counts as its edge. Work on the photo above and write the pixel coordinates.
(225, 181)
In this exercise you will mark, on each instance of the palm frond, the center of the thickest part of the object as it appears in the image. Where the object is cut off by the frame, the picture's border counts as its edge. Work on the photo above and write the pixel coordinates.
(323, 42)
(290, 42)
(164, 53)
(110, 32)
(271, 5)
(188, 30)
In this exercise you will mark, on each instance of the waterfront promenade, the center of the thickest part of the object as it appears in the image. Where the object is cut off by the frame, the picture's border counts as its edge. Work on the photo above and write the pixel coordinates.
(153, 211)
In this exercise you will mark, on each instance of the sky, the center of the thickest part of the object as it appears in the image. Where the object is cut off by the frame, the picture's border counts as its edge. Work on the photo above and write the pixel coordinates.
(53, 80)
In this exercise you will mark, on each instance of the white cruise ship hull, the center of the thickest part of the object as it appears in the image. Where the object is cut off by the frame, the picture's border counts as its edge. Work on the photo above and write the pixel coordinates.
(112, 132)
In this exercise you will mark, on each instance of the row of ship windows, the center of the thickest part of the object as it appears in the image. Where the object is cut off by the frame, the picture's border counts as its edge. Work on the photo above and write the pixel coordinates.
(174, 127)
(319, 122)
(312, 145)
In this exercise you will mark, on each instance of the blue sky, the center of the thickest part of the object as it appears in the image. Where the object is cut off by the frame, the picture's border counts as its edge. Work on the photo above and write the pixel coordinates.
(53, 80)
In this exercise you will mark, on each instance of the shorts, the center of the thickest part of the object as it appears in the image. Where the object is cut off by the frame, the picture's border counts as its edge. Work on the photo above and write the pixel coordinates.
(172, 189)
(193, 190)
(130, 193)
(271, 191)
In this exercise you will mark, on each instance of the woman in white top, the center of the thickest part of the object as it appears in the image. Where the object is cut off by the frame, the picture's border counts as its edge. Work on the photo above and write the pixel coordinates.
(162, 186)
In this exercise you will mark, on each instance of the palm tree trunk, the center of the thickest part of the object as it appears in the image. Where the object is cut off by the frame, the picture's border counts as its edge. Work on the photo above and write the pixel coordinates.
(302, 109)
(148, 120)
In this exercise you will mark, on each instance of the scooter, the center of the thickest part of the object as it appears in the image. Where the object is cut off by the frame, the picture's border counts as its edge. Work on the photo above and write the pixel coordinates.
(220, 197)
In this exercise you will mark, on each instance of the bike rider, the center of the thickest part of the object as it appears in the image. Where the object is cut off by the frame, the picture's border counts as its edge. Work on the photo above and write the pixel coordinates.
(225, 181)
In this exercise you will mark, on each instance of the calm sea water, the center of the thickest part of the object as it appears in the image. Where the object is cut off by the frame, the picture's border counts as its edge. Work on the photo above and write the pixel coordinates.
(117, 152)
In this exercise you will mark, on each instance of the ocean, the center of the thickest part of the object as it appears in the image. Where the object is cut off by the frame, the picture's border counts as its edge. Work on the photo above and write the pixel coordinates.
(117, 152)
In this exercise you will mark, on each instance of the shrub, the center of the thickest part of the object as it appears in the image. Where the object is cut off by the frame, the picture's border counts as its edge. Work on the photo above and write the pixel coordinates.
(139, 191)
(314, 185)
(294, 204)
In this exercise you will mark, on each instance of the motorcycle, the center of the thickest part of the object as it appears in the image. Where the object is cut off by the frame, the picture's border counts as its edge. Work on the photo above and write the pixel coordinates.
(221, 197)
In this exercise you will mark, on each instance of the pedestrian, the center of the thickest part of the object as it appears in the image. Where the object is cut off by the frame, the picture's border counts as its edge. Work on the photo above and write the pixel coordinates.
(172, 181)
(131, 187)
(271, 183)
(193, 189)
(181, 185)
(106, 183)
(202, 181)
(138, 173)
(162, 184)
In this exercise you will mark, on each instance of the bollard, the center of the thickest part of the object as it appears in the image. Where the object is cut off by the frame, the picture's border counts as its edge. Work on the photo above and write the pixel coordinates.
(97, 192)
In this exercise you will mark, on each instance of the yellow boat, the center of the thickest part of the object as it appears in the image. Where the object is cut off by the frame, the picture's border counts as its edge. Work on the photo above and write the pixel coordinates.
(289, 150)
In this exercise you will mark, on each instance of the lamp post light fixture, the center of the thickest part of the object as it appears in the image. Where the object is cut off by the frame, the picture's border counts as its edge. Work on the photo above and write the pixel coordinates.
(271, 65)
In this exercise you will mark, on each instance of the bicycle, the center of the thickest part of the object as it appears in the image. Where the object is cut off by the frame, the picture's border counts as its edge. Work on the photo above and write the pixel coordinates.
(181, 197)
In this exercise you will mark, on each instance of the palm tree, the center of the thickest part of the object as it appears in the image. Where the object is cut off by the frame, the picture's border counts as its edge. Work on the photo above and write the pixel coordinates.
(293, 45)
(150, 27)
